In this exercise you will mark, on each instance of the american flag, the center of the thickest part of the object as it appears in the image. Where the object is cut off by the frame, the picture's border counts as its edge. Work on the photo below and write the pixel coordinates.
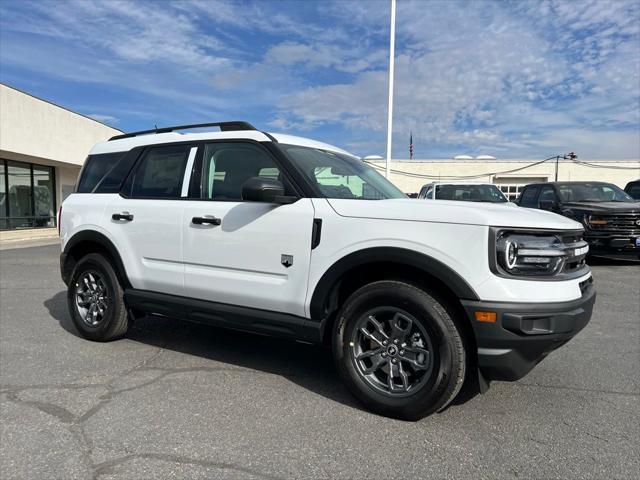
(410, 145)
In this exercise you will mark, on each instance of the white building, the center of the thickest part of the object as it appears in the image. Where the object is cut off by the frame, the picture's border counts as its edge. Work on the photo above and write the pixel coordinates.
(510, 175)
(42, 147)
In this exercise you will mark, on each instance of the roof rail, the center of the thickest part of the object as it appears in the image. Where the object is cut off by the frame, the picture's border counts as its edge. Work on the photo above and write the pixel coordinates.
(224, 127)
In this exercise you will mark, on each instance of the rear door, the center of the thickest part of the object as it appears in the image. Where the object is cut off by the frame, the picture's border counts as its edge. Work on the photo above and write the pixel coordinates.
(250, 254)
(146, 218)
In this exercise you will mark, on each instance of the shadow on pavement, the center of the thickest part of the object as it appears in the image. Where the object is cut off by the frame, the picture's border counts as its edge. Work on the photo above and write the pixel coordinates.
(306, 365)
(612, 261)
(309, 366)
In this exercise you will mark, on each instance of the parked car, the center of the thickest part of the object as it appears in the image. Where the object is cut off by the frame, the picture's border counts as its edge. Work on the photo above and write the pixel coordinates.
(610, 217)
(633, 189)
(464, 191)
(287, 236)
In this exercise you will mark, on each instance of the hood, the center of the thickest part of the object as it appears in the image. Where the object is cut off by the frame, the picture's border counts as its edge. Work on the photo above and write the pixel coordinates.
(604, 207)
(451, 211)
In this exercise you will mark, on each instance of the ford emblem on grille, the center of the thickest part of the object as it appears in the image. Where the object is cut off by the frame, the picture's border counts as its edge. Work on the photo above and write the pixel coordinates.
(638, 223)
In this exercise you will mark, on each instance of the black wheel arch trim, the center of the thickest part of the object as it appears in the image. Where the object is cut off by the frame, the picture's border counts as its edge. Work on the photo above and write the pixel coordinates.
(429, 265)
(91, 236)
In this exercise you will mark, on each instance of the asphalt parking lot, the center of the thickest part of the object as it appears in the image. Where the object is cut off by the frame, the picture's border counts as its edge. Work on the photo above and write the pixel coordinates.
(175, 400)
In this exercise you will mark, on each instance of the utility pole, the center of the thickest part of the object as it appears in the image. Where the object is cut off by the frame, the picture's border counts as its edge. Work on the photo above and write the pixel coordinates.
(568, 156)
(392, 47)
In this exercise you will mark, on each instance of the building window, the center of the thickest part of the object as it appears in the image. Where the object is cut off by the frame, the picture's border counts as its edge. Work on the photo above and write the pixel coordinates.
(27, 195)
(513, 186)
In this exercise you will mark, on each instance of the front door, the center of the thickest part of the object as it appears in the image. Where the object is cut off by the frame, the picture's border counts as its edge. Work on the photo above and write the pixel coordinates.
(239, 252)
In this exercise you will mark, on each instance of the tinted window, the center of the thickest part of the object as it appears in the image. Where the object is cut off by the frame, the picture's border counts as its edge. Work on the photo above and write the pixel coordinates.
(160, 172)
(226, 166)
(112, 181)
(94, 169)
(634, 190)
(546, 195)
(592, 192)
(470, 193)
(528, 198)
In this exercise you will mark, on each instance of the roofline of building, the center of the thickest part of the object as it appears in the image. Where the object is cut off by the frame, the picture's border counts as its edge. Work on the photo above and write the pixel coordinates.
(499, 160)
(60, 106)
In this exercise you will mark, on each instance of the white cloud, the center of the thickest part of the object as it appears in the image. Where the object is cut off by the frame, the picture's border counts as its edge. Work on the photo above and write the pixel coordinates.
(478, 77)
(487, 75)
(103, 118)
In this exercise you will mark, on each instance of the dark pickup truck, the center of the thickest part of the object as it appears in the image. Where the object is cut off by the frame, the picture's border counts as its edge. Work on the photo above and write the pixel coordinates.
(611, 218)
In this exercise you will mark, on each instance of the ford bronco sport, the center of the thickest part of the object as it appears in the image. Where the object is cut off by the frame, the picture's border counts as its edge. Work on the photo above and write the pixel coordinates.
(287, 236)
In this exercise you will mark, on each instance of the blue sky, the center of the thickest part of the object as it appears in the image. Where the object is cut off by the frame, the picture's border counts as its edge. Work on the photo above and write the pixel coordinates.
(510, 79)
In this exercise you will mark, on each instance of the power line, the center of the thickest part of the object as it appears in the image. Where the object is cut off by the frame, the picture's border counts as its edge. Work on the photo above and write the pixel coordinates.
(616, 167)
(454, 177)
(470, 177)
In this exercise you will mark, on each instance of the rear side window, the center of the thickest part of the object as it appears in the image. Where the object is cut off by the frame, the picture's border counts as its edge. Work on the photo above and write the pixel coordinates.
(95, 168)
(528, 198)
(160, 172)
(112, 181)
(634, 190)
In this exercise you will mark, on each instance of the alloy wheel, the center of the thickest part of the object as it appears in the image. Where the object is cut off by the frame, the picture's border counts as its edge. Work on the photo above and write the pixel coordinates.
(91, 298)
(392, 352)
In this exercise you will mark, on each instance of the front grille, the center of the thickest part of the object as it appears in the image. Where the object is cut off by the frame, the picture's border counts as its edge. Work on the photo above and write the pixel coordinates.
(575, 261)
(627, 223)
(585, 284)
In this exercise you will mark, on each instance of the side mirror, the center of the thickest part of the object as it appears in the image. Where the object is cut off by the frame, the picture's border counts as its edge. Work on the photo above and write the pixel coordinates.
(550, 205)
(268, 190)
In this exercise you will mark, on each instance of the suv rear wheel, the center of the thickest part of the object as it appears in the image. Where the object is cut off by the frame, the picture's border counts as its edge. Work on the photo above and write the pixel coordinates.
(398, 350)
(95, 299)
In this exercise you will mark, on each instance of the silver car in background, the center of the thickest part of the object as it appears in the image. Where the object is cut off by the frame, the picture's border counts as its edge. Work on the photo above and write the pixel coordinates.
(464, 191)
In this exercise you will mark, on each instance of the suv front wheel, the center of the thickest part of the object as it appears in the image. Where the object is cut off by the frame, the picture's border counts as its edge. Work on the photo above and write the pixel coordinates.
(95, 299)
(398, 350)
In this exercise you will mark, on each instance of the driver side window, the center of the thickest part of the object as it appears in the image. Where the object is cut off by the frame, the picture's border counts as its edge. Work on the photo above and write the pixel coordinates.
(547, 195)
(227, 166)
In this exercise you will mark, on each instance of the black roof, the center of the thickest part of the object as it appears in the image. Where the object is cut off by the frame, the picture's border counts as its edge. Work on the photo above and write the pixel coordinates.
(581, 182)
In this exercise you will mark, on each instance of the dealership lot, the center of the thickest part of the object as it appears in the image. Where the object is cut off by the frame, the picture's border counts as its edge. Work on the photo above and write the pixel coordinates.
(175, 400)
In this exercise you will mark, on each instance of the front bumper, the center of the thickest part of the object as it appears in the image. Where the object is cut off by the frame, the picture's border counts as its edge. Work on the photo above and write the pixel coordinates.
(525, 333)
(618, 243)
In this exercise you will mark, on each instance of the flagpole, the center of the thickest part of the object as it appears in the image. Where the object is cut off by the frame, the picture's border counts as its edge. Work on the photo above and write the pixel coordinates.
(392, 46)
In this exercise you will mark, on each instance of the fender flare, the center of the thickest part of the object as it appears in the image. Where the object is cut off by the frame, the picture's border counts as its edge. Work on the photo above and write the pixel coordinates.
(100, 239)
(403, 256)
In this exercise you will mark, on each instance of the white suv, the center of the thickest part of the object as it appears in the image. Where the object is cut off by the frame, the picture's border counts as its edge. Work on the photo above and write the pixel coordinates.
(287, 236)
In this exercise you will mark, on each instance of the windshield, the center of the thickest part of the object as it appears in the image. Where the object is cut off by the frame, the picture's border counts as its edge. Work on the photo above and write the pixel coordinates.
(470, 193)
(341, 176)
(592, 192)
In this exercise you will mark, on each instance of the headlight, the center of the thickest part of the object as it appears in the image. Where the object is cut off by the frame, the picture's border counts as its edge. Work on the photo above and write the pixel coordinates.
(595, 220)
(538, 254)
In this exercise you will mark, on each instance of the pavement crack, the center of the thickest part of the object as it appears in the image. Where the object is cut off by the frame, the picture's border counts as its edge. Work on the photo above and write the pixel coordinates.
(62, 414)
(596, 436)
(109, 466)
(45, 386)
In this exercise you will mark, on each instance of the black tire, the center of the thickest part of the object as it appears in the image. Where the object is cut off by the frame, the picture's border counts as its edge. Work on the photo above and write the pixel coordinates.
(420, 311)
(114, 321)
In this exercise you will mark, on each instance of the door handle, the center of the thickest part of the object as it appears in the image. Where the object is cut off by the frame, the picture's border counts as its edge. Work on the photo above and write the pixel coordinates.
(126, 216)
(206, 220)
